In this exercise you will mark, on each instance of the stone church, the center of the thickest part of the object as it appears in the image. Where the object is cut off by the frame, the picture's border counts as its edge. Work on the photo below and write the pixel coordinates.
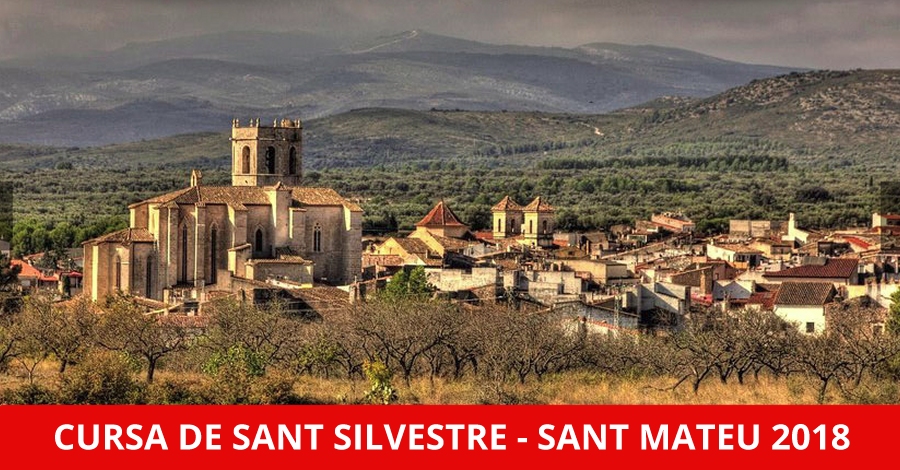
(265, 227)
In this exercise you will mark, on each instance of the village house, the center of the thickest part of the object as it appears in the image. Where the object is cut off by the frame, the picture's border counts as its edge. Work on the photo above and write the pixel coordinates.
(411, 251)
(440, 237)
(740, 256)
(548, 287)
(886, 223)
(773, 248)
(672, 222)
(803, 303)
(31, 277)
(599, 271)
(753, 228)
(596, 244)
(838, 271)
(658, 302)
(795, 235)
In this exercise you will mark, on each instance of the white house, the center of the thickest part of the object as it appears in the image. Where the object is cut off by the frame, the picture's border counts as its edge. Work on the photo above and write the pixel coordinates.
(804, 303)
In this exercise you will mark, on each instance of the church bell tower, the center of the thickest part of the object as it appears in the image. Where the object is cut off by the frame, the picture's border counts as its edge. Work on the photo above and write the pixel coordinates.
(265, 156)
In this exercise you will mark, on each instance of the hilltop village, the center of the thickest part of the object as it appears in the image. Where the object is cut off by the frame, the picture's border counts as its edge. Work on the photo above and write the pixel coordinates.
(266, 236)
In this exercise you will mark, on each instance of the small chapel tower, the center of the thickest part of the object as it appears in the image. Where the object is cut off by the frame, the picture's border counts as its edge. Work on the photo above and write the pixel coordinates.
(265, 156)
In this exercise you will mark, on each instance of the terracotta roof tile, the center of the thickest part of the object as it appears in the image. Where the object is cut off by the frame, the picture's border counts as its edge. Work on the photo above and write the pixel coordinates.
(453, 243)
(858, 242)
(805, 293)
(27, 270)
(440, 215)
(538, 205)
(484, 236)
(412, 245)
(834, 268)
(322, 197)
(128, 235)
(506, 204)
(369, 259)
(239, 196)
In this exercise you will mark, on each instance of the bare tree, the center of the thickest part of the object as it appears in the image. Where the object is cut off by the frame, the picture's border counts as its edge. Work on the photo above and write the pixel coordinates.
(63, 331)
(401, 332)
(10, 339)
(151, 337)
(260, 331)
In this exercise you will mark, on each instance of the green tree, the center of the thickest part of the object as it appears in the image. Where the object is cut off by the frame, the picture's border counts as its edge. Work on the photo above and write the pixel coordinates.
(398, 286)
(411, 285)
(418, 286)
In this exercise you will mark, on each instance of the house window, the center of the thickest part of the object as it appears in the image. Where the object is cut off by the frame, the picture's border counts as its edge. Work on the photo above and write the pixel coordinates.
(317, 239)
(118, 268)
(245, 160)
(184, 253)
(213, 255)
(148, 278)
(270, 160)
(292, 162)
(258, 246)
(810, 327)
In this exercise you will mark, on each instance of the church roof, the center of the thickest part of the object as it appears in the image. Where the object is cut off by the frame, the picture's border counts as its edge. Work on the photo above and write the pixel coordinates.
(241, 196)
(538, 205)
(506, 204)
(440, 216)
(128, 235)
(322, 197)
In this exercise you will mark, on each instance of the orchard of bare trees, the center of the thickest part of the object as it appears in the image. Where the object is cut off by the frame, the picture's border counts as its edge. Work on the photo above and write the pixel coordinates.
(80, 352)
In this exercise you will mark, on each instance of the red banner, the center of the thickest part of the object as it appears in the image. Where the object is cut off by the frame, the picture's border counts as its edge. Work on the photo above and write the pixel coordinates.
(445, 436)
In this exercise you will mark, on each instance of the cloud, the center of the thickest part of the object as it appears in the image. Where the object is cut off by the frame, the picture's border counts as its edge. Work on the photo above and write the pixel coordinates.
(815, 33)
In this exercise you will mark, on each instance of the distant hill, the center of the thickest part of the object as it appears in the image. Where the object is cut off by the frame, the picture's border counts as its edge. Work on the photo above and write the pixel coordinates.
(152, 90)
(814, 112)
(816, 109)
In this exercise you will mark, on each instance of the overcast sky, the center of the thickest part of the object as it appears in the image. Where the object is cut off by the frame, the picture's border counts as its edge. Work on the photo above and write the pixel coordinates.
(810, 33)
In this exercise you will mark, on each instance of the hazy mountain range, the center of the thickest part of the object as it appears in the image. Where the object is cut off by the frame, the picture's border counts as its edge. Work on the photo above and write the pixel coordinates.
(177, 86)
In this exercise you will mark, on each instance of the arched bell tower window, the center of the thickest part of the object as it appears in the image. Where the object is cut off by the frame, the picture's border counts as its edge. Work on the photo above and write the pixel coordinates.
(270, 160)
(245, 160)
(292, 161)
(530, 226)
(317, 238)
(545, 226)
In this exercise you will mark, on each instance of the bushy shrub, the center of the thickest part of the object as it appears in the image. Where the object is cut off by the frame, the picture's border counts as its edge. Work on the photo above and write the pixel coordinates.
(29, 394)
(177, 392)
(102, 378)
